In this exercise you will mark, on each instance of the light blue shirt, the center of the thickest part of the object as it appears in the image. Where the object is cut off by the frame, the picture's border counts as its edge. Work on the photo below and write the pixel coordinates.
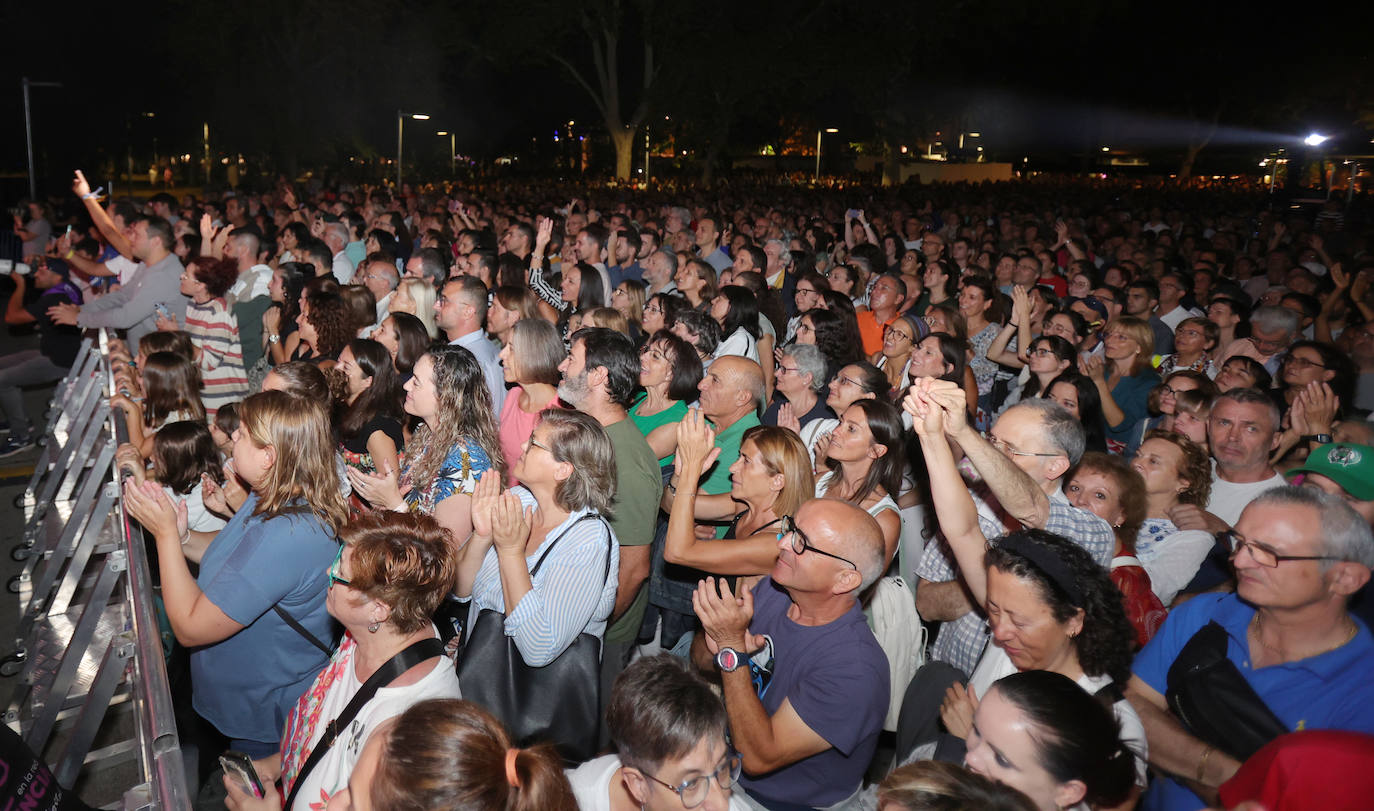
(476, 342)
(572, 593)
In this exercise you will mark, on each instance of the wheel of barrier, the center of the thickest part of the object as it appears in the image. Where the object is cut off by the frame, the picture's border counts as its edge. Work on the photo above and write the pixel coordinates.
(14, 584)
(21, 552)
(19, 501)
(12, 664)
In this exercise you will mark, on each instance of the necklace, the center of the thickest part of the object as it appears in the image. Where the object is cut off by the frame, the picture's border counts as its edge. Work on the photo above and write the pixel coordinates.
(1259, 637)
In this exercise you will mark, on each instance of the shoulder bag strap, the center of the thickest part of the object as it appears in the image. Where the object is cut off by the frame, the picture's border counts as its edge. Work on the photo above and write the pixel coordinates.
(413, 655)
(588, 517)
(300, 629)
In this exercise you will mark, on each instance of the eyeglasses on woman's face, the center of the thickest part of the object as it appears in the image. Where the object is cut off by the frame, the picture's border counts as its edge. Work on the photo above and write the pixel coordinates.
(335, 571)
(694, 792)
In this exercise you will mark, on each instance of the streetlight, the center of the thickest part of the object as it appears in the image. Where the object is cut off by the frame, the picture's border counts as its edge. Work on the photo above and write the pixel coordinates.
(400, 140)
(452, 151)
(28, 131)
(817, 176)
(1316, 139)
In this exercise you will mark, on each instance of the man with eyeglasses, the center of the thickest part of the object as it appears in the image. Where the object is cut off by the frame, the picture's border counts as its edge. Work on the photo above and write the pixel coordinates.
(378, 274)
(884, 298)
(669, 729)
(807, 726)
(1298, 554)
(1021, 463)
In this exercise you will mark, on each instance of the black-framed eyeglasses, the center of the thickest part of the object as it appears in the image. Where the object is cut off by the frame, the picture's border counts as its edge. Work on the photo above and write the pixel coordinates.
(1302, 363)
(802, 544)
(693, 792)
(336, 568)
(1262, 554)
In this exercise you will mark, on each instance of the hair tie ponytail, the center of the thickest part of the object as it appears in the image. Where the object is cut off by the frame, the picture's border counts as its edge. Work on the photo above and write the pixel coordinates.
(512, 778)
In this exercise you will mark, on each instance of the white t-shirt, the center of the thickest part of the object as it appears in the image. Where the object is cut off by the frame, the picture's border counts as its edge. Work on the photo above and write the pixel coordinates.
(591, 784)
(1229, 499)
(198, 519)
(329, 695)
(123, 269)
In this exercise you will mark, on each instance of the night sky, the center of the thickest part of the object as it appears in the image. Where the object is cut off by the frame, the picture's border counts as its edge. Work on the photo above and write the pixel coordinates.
(312, 83)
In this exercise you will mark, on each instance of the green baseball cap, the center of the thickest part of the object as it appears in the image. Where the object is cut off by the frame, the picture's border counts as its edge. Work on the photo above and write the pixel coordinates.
(1350, 466)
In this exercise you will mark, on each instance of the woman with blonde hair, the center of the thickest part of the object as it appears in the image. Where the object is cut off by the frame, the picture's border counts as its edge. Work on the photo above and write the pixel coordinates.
(628, 299)
(416, 297)
(1124, 376)
(771, 479)
(255, 616)
(609, 318)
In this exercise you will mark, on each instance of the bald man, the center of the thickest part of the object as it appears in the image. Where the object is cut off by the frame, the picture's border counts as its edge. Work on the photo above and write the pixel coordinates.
(731, 392)
(807, 736)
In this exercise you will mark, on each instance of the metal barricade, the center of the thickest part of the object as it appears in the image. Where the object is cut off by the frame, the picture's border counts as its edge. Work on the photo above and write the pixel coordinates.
(88, 656)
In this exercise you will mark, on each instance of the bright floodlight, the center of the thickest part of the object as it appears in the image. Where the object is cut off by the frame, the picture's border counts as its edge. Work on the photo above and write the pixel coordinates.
(831, 130)
(419, 116)
(1315, 140)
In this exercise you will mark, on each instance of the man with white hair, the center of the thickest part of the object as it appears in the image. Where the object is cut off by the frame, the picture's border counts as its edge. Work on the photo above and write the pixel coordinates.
(336, 237)
(804, 680)
(1298, 554)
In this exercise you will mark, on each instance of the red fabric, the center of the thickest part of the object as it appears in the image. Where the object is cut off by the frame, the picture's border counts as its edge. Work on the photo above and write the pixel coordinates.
(1143, 608)
(1317, 769)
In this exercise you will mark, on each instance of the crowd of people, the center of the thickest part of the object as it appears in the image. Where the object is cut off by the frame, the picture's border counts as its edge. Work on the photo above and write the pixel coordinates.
(488, 498)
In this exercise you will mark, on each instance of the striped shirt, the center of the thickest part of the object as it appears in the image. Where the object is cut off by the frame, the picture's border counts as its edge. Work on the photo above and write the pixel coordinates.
(215, 331)
(570, 595)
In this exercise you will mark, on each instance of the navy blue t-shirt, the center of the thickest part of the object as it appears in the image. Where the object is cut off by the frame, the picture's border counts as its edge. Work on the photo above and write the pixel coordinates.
(835, 677)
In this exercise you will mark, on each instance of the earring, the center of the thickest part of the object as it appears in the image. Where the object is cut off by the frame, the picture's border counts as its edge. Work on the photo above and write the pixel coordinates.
(372, 629)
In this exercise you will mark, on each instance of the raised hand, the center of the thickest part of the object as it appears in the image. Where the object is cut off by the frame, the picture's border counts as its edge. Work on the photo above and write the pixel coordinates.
(696, 441)
(149, 505)
(725, 616)
(80, 187)
(957, 710)
(485, 497)
(510, 524)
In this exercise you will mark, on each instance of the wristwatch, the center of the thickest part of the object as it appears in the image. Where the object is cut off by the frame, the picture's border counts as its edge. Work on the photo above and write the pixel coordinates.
(1320, 439)
(273, 338)
(730, 660)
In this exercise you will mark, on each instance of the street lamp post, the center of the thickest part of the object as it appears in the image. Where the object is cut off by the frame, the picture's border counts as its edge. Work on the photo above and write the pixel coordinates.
(28, 131)
(815, 178)
(452, 150)
(400, 140)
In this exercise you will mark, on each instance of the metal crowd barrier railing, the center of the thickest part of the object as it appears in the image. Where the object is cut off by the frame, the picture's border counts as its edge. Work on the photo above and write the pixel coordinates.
(88, 658)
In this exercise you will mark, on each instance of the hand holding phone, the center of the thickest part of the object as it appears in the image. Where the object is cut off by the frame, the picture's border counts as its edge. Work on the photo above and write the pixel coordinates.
(238, 767)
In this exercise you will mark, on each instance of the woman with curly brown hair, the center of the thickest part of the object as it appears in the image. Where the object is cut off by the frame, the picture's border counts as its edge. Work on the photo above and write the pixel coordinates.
(325, 327)
(455, 443)
(1173, 540)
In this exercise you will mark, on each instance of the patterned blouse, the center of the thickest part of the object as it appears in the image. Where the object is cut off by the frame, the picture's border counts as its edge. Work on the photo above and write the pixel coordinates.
(458, 474)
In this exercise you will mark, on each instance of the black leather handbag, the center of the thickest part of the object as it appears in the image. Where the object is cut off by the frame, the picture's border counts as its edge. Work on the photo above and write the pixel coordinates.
(559, 703)
(1213, 700)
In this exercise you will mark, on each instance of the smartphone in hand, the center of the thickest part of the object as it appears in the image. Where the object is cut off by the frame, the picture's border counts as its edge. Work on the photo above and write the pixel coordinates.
(240, 769)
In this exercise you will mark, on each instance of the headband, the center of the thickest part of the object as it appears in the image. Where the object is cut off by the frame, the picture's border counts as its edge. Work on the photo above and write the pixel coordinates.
(1044, 559)
(512, 778)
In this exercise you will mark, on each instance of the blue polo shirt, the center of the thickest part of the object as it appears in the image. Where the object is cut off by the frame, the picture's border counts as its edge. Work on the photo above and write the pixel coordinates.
(1330, 691)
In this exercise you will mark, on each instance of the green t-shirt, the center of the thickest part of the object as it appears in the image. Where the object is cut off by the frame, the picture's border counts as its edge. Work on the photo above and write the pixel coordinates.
(717, 481)
(638, 489)
(646, 425)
